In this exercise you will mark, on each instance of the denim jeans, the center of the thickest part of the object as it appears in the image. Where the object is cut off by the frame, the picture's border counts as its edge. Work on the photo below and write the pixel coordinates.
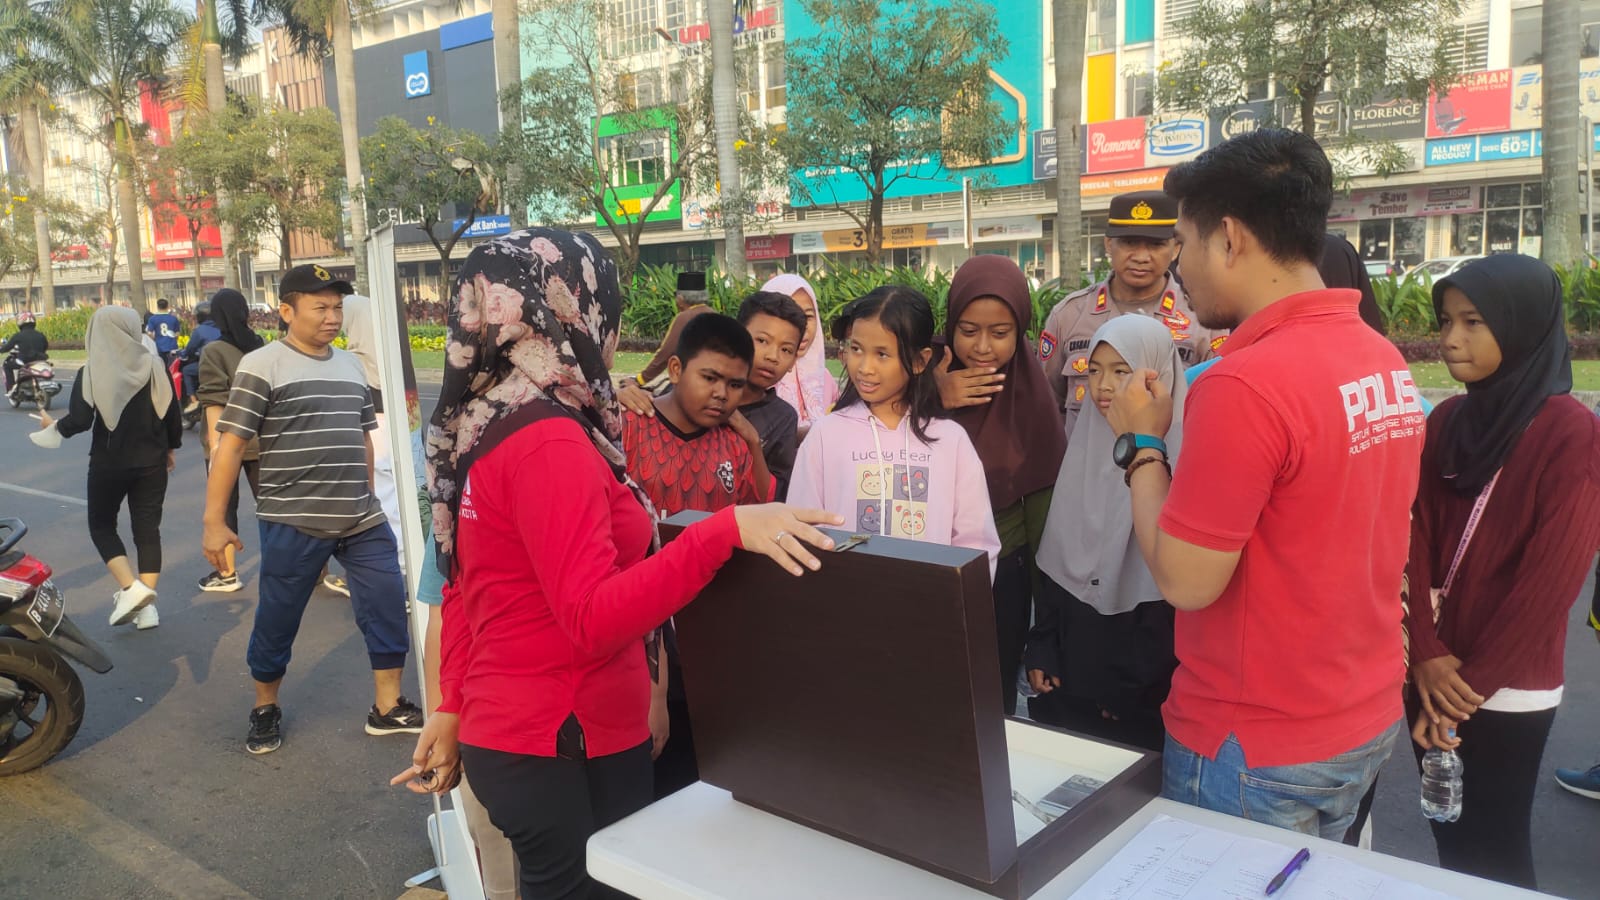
(1318, 798)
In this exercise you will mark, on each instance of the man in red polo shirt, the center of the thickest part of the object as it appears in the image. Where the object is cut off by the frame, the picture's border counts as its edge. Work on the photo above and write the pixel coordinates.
(1282, 537)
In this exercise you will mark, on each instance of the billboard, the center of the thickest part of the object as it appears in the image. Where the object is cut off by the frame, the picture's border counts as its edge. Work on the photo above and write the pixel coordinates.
(628, 135)
(1479, 103)
(1389, 118)
(1175, 139)
(1115, 146)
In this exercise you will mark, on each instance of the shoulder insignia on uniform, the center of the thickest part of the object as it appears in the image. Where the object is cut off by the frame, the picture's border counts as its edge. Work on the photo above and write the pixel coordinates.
(1169, 301)
(1080, 365)
(1101, 299)
(1179, 335)
(1217, 342)
(1077, 395)
(1047, 345)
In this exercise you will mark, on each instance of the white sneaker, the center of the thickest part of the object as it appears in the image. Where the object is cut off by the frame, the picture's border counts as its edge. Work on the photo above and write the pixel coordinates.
(130, 600)
(147, 618)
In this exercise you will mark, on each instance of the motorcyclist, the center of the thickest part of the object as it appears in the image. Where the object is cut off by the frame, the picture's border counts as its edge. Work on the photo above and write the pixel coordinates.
(26, 346)
(205, 331)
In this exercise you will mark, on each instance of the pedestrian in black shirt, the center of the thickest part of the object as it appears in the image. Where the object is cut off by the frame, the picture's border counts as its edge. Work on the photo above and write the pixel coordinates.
(124, 396)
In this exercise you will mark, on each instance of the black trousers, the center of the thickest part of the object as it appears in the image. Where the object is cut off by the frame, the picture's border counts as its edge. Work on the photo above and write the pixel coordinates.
(1500, 756)
(1013, 607)
(549, 806)
(145, 489)
(251, 469)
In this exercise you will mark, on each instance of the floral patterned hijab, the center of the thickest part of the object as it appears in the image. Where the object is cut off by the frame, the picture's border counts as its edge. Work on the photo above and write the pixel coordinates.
(532, 331)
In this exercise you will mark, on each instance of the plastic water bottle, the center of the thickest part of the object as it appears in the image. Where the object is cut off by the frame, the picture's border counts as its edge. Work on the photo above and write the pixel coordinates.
(1441, 784)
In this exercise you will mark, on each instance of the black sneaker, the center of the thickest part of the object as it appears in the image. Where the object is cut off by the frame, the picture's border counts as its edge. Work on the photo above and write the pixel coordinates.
(266, 729)
(406, 717)
(220, 583)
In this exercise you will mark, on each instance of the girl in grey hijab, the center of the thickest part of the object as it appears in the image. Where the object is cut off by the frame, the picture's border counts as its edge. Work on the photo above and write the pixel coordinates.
(1100, 652)
(123, 395)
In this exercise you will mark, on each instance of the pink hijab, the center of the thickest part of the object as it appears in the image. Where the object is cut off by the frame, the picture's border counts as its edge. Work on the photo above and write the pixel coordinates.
(809, 387)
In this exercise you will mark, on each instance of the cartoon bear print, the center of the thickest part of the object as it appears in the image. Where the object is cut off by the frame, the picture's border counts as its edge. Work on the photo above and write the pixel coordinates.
(871, 483)
(919, 483)
(869, 517)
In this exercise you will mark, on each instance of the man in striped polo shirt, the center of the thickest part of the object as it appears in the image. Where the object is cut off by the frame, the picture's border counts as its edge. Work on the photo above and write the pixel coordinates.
(309, 405)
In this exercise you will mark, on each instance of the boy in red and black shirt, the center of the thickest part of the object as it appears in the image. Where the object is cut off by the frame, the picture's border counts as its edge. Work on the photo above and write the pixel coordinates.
(692, 455)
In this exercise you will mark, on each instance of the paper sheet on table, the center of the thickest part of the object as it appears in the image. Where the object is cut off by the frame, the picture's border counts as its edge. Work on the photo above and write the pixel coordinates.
(1176, 859)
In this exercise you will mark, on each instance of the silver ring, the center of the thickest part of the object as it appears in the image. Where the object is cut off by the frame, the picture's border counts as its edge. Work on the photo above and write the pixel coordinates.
(778, 538)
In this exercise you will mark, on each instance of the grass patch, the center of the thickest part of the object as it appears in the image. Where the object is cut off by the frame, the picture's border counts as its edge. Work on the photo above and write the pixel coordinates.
(1585, 375)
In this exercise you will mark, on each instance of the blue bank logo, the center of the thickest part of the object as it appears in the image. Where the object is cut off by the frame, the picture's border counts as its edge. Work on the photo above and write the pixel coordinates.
(483, 226)
(419, 83)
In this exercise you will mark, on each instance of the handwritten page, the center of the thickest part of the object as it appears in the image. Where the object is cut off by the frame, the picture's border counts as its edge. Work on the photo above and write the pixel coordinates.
(1172, 859)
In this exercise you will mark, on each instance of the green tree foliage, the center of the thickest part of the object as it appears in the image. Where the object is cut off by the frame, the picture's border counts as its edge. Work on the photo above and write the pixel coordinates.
(892, 90)
(441, 173)
(1356, 50)
(278, 171)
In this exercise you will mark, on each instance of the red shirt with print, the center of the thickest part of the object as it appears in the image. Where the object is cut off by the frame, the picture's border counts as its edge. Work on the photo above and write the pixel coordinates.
(1301, 451)
(554, 595)
(706, 471)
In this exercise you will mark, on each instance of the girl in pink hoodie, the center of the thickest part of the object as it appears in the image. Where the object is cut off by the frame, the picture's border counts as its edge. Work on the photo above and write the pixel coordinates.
(883, 459)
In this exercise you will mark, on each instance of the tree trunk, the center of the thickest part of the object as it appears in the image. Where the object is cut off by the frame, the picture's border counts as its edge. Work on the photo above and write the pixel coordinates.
(1562, 142)
(33, 145)
(1070, 21)
(216, 102)
(725, 116)
(128, 208)
(875, 224)
(285, 258)
(1308, 113)
(507, 73)
(344, 71)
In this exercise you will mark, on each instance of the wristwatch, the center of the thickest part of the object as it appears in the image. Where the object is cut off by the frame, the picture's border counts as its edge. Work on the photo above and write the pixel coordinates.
(1129, 445)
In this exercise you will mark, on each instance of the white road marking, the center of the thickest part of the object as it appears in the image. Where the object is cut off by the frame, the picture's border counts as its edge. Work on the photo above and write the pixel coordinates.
(35, 492)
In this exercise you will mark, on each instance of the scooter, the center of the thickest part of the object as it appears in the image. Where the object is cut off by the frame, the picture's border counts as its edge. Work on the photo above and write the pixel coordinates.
(190, 417)
(35, 384)
(41, 696)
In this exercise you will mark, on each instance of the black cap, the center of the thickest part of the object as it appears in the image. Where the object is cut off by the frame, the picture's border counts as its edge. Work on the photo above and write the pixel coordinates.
(310, 279)
(1147, 214)
(691, 281)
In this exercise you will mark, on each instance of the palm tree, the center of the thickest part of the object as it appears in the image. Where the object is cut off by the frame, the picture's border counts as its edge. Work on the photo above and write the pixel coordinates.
(29, 74)
(507, 75)
(1070, 23)
(114, 50)
(725, 115)
(213, 36)
(313, 24)
(1564, 145)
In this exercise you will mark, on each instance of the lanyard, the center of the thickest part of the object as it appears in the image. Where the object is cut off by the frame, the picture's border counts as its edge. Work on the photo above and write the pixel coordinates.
(1472, 526)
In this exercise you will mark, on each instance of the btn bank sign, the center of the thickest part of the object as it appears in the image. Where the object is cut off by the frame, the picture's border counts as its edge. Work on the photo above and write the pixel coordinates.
(418, 79)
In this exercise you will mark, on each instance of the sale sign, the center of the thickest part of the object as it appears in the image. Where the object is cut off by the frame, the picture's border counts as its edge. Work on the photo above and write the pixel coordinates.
(1115, 146)
(1480, 103)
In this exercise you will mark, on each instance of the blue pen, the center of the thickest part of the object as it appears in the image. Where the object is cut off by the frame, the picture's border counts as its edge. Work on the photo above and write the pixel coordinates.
(1282, 878)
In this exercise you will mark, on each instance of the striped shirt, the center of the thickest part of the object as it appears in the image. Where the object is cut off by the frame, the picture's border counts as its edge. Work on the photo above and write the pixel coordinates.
(311, 416)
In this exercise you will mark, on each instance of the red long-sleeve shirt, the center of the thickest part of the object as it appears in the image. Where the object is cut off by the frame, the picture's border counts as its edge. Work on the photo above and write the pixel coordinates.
(554, 596)
(1506, 616)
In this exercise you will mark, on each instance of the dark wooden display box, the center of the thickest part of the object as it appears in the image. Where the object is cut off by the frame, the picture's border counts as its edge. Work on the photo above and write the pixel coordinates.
(861, 700)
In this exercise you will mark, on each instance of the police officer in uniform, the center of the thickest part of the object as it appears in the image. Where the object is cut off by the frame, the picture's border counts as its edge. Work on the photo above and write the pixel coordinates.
(1140, 243)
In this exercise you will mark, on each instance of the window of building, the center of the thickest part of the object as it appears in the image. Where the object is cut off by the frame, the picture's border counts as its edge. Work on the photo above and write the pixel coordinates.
(777, 76)
(1402, 241)
(1512, 221)
(633, 23)
(1138, 93)
(1526, 43)
(1102, 25)
(637, 158)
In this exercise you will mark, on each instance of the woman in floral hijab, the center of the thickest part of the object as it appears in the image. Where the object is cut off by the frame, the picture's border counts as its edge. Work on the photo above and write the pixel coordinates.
(554, 573)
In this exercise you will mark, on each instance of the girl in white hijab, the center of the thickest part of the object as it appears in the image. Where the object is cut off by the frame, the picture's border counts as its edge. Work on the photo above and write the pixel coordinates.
(124, 395)
(1100, 653)
(809, 387)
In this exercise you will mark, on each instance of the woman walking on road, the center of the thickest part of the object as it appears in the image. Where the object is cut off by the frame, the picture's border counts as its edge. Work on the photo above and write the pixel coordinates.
(123, 394)
(218, 363)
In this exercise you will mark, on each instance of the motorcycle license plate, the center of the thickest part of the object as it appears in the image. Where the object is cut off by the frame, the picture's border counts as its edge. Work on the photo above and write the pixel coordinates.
(47, 609)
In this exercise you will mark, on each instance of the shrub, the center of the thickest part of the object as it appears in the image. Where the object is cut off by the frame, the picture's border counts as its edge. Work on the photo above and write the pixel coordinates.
(1406, 304)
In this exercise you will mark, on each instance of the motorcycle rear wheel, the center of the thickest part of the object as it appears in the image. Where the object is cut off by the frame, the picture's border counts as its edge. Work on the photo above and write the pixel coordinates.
(44, 401)
(46, 680)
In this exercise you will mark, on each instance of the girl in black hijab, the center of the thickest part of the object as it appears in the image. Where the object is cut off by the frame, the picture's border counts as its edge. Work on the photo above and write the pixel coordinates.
(1506, 522)
(218, 363)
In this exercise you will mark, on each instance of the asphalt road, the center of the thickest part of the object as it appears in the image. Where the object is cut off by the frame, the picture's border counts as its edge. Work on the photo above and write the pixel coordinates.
(156, 797)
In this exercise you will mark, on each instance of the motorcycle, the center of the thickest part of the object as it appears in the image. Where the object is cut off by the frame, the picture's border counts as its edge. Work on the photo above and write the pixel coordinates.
(41, 696)
(35, 383)
(189, 413)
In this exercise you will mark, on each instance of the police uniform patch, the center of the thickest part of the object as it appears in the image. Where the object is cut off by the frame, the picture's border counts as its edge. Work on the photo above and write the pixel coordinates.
(1101, 299)
(1179, 335)
(1047, 345)
(1080, 365)
(1217, 342)
(1077, 395)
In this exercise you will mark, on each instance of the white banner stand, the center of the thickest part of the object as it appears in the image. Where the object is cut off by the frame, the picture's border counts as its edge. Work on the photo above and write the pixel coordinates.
(455, 857)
